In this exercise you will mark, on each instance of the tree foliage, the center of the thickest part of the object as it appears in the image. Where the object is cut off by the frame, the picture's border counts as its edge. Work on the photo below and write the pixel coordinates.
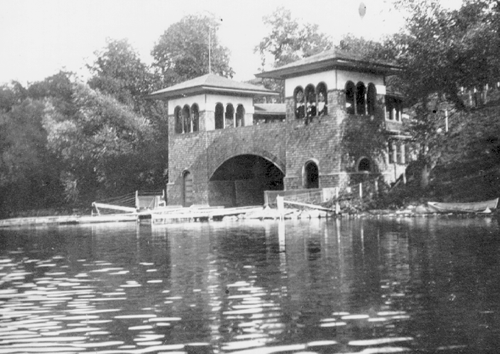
(28, 171)
(289, 40)
(102, 146)
(182, 52)
(444, 50)
(119, 72)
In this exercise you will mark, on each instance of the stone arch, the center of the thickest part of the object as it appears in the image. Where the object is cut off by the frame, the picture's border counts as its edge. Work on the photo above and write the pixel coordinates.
(186, 119)
(371, 98)
(350, 97)
(240, 116)
(178, 120)
(242, 179)
(195, 110)
(256, 151)
(219, 116)
(360, 98)
(299, 104)
(322, 104)
(310, 174)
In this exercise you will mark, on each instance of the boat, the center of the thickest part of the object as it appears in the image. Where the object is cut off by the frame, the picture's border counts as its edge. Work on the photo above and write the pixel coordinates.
(474, 207)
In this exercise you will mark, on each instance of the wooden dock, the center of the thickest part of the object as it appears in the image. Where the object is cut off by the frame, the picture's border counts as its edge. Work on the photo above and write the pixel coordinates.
(193, 214)
(67, 220)
(154, 216)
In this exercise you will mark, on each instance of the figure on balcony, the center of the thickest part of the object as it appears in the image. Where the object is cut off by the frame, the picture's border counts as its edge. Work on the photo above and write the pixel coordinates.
(299, 108)
(311, 107)
(321, 105)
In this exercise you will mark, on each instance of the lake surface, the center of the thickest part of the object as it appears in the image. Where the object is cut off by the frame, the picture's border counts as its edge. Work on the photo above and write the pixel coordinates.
(322, 286)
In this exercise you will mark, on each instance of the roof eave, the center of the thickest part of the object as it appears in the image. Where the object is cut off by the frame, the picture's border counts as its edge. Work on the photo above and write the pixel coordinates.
(340, 63)
(210, 89)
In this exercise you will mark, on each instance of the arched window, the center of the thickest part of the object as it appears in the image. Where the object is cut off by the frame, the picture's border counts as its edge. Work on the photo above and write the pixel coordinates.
(195, 117)
(360, 98)
(300, 108)
(240, 115)
(350, 91)
(187, 189)
(186, 119)
(229, 115)
(371, 98)
(310, 95)
(219, 116)
(311, 175)
(364, 165)
(178, 120)
(322, 105)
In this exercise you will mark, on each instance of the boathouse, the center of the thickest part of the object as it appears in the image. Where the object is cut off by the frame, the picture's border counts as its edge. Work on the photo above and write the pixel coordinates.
(224, 150)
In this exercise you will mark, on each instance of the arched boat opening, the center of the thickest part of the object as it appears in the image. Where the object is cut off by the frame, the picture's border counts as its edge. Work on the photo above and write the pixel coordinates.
(242, 180)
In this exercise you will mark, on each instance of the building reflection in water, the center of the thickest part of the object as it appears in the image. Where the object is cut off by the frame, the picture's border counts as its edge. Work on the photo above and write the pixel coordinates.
(422, 283)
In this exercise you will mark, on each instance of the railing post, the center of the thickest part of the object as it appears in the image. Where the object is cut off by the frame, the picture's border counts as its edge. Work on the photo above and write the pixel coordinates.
(337, 206)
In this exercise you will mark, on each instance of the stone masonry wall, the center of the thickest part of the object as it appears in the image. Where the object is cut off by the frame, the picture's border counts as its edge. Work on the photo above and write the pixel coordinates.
(201, 153)
(289, 145)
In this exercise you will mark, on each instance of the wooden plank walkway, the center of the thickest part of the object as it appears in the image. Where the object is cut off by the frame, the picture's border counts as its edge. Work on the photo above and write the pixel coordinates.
(193, 214)
(67, 220)
(155, 216)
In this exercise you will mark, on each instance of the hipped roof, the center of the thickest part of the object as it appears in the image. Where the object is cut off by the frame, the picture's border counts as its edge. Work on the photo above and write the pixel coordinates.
(211, 83)
(330, 59)
(270, 109)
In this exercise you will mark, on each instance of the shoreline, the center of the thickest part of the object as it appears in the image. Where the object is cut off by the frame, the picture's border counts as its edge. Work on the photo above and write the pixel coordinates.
(257, 213)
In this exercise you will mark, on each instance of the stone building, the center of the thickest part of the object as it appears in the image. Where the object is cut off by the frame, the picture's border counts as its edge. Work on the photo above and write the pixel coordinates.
(226, 150)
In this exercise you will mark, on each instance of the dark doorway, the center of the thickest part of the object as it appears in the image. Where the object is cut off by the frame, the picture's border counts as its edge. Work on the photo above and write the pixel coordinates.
(187, 189)
(311, 175)
(364, 165)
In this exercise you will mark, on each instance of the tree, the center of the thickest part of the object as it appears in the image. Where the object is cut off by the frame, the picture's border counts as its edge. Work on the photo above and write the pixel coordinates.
(119, 72)
(182, 52)
(104, 146)
(28, 171)
(288, 40)
(443, 51)
(385, 50)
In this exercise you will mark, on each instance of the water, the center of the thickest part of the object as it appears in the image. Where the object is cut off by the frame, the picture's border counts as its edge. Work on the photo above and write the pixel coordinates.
(363, 286)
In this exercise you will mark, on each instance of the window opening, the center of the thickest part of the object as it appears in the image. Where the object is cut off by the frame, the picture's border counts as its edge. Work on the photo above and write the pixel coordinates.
(349, 97)
(240, 115)
(196, 117)
(390, 151)
(299, 103)
(219, 116)
(360, 98)
(178, 120)
(310, 95)
(322, 100)
(229, 116)
(186, 119)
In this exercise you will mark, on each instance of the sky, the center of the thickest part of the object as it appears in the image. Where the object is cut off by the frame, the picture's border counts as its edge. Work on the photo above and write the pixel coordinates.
(38, 38)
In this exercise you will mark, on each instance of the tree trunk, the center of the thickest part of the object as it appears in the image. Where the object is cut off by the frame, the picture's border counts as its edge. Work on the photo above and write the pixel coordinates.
(424, 178)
